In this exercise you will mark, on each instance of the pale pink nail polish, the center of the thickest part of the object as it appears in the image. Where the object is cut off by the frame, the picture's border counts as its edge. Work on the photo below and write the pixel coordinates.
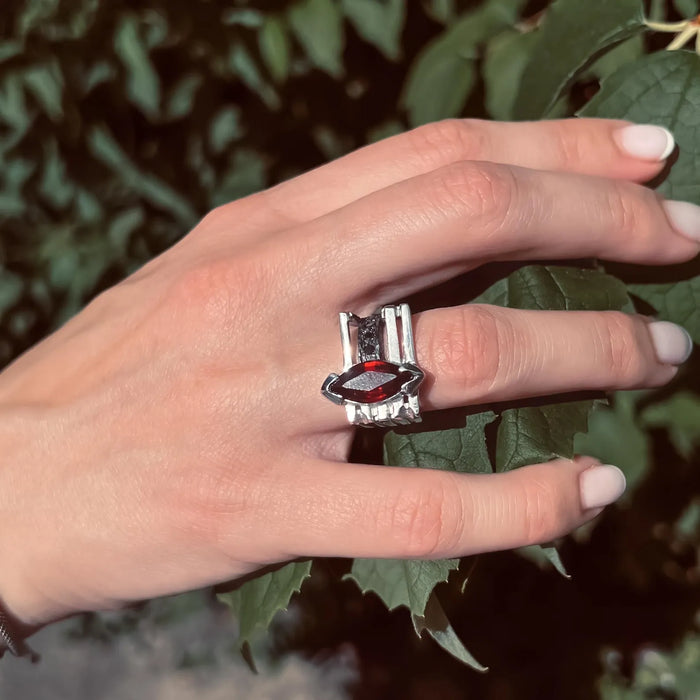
(601, 485)
(645, 141)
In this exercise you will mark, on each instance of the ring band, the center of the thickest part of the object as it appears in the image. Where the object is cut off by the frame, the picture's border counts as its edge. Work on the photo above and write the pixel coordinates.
(380, 387)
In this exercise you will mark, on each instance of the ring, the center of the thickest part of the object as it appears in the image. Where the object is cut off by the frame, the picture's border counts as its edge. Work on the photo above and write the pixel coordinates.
(380, 388)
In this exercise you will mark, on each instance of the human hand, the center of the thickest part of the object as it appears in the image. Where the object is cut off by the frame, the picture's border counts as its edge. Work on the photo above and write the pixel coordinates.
(173, 434)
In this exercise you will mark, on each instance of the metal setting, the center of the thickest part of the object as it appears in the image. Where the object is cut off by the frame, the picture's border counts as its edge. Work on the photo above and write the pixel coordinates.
(385, 369)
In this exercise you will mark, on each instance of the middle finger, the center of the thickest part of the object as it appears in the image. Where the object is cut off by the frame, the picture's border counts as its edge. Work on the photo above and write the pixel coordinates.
(433, 226)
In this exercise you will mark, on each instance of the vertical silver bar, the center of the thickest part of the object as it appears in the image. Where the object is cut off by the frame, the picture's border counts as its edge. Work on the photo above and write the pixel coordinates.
(392, 351)
(409, 354)
(345, 340)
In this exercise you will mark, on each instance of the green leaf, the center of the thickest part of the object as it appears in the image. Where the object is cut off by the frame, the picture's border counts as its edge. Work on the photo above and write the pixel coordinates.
(98, 73)
(252, 19)
(88, 208)
(122, 226)
(242, 64)
(544, 556)
(559, 289)
(680, 415)
(504, 64)
(318, 24)
(225, 128)
(435, 622)
(540, 433)
(460, 450)
(45, 82)
(384, 130)
(669, 674)
(35, 13)
(443, 75)
(379, 23)
(410, 582)
(245, 174)
(398, 582)
(625, 52)
(56, 20)
(11, 288)
(572, 32)
(182, 97)
(687, 527)
(275, 49)
(143, 83)
(329, 142)
(552, 556)
(56, 187)
(13, 105)
(537, 434)
(615, 437)
(442, 11)
(687, 8)
(106, 149)
(662, 88)
(257, 601)
(678, 302)
(10, 49)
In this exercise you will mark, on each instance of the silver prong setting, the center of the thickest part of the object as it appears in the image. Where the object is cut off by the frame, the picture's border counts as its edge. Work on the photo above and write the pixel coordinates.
(379, 337)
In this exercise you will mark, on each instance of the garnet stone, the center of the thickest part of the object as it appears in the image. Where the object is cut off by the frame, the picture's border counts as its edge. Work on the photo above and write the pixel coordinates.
(370, 381)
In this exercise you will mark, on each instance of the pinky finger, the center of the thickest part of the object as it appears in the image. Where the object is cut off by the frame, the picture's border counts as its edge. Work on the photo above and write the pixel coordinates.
(357, 510)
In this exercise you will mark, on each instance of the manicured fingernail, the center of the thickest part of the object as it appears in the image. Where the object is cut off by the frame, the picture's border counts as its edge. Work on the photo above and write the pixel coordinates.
(684, 217)
(672, 343)
(645, 141)
(601, 485)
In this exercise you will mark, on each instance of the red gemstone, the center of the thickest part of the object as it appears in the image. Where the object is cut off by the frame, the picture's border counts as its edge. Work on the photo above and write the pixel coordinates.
(370, 381)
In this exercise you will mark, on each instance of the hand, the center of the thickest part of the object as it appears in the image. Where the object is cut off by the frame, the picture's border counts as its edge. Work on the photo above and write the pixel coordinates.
(173, 434)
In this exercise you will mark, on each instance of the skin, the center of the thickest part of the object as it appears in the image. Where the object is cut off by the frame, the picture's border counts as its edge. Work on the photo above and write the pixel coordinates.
(173, 435)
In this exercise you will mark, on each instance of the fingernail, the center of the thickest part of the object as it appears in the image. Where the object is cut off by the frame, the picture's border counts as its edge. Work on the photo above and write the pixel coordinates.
(684, 217)
(645, 141)
(672, 343)
(601, 485)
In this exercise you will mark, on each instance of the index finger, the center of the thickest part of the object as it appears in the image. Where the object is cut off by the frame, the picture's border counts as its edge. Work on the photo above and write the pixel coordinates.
(604, 147)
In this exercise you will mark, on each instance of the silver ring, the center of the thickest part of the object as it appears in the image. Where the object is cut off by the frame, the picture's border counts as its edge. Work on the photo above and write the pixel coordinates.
(379, 387)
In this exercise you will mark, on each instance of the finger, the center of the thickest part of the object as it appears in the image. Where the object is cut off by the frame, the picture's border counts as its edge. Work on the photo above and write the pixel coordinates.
(477, 353)
(468, 213)
(357, 510)
(605, 147)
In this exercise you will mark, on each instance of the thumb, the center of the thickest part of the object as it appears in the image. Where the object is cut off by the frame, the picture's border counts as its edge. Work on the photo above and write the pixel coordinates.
(357, 510)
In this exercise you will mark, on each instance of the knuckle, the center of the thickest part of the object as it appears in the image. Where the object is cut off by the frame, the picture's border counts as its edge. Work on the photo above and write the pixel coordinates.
(482, 191)
(465, 348)
(206, 501)
(221, 289)
(217, 215)
(619, 347)
(568, 145)
(624, 212)
(544, 514)
(449, 140)
(426, 520)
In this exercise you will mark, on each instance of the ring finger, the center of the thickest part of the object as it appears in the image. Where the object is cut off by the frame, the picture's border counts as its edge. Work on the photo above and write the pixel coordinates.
(478, 353)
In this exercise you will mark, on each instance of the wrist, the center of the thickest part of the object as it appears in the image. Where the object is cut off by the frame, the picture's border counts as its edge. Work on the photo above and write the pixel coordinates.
(27, 607)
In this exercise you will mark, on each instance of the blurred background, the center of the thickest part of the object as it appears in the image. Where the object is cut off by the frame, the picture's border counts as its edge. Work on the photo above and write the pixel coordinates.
(121, 124)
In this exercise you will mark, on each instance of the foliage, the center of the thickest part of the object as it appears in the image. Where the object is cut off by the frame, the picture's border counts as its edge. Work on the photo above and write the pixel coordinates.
(119, 129)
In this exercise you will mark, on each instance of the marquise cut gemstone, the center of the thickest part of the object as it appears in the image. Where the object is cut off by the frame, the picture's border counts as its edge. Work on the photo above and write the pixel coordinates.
(370, 381)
